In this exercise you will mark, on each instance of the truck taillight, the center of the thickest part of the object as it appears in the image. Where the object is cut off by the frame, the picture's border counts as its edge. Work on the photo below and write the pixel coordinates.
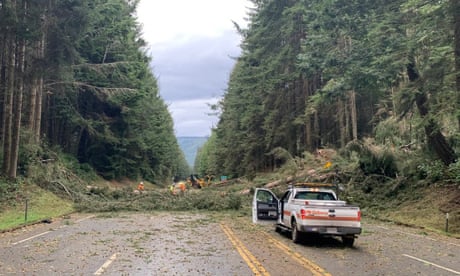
(303, 214)
(359, 215)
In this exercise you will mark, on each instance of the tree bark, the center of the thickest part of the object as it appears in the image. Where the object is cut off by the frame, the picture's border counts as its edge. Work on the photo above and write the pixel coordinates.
(354, 115)
(33, 111)
(31, 105)
(341, 114)
(17, 102)
(316, 131)
(10, 62)
(436, 140)
(39, 94)
(455, 8)
(8, 101)
(308, 119)
(3, 50)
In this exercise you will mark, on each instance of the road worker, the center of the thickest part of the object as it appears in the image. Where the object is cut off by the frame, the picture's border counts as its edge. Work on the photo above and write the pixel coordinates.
(140, 187)
(172, 189)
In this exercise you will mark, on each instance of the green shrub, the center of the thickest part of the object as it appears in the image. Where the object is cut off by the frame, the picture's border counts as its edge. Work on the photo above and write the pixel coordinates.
(8, 191)
(234, 202)
(383, 164)
(453, 172)
(433, 171)
(372, 159)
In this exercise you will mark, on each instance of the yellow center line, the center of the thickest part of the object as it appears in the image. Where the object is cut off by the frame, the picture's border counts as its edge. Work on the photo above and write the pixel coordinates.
(314, 268)
(256, 267)
(306, 263)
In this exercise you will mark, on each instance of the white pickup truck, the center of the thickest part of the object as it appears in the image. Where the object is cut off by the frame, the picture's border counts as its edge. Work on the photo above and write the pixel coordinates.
(308, 208)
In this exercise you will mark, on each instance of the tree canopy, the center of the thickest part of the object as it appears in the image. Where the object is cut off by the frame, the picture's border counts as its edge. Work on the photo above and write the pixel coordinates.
(317, 74)
(76, 75)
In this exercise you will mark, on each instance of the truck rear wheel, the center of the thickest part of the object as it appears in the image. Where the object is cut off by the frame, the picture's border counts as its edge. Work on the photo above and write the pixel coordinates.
(348, 241)
(295, 234)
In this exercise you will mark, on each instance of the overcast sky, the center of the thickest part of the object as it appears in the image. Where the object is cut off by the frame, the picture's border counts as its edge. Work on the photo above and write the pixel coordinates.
(193, 45)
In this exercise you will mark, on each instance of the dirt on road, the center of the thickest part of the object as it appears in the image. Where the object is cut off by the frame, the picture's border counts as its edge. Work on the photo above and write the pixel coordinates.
(215, 244)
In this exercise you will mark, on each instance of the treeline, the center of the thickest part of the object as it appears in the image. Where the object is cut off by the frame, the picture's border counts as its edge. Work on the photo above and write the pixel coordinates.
(332, 74)
(75, 78)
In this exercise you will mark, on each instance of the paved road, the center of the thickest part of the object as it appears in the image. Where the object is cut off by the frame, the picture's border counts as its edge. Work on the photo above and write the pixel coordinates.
(216, 244)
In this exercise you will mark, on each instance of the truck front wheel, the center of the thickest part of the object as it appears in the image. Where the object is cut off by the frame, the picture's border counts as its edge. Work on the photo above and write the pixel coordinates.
(295, 234)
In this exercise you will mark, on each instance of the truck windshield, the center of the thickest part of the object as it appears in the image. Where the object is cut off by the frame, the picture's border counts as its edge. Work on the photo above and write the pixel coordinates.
(314, 195)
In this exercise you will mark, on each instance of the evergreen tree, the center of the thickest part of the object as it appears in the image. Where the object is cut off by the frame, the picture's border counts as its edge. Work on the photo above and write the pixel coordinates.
(324, 73)
(84, 72)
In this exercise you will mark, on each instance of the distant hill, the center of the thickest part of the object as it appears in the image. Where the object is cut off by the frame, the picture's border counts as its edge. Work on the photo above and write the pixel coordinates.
(190, 146)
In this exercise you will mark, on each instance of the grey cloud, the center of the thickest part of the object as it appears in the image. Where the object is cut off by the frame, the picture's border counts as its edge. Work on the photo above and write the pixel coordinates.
(192, 117)
(192, 75)
(197, 69)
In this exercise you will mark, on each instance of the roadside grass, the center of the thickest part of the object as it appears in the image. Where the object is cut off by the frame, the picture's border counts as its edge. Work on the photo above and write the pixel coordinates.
(41, 205)
(426, 215)
(414, 205)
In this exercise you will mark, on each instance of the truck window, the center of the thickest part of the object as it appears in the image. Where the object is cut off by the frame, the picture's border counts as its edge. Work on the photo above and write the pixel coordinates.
(306, 195)
(301, 195)
(327, 196)
(265, 196)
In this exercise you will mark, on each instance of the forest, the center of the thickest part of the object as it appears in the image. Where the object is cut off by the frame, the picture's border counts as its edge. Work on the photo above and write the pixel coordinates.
(377, 81)
(77, 89)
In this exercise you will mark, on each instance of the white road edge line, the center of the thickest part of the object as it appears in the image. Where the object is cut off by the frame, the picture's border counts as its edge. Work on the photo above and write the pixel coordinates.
(383, 227)
(85, 218)
(433, 264)
(44, 233)
(78, 221)
(418, 235)
(106, 265)
(29, 238)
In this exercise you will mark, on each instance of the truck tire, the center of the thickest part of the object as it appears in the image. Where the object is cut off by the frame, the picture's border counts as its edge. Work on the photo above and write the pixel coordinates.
(348, 241)
(278, 229)
(295, 234)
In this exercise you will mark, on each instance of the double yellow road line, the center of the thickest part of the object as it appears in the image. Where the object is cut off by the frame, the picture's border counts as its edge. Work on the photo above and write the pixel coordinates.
(306, 263)
(257, 268)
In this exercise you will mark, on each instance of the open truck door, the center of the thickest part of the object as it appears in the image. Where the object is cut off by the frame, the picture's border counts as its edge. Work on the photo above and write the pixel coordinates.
(265, 205)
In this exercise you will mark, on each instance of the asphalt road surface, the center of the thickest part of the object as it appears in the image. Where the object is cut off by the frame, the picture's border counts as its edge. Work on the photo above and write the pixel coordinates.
(215, 244)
